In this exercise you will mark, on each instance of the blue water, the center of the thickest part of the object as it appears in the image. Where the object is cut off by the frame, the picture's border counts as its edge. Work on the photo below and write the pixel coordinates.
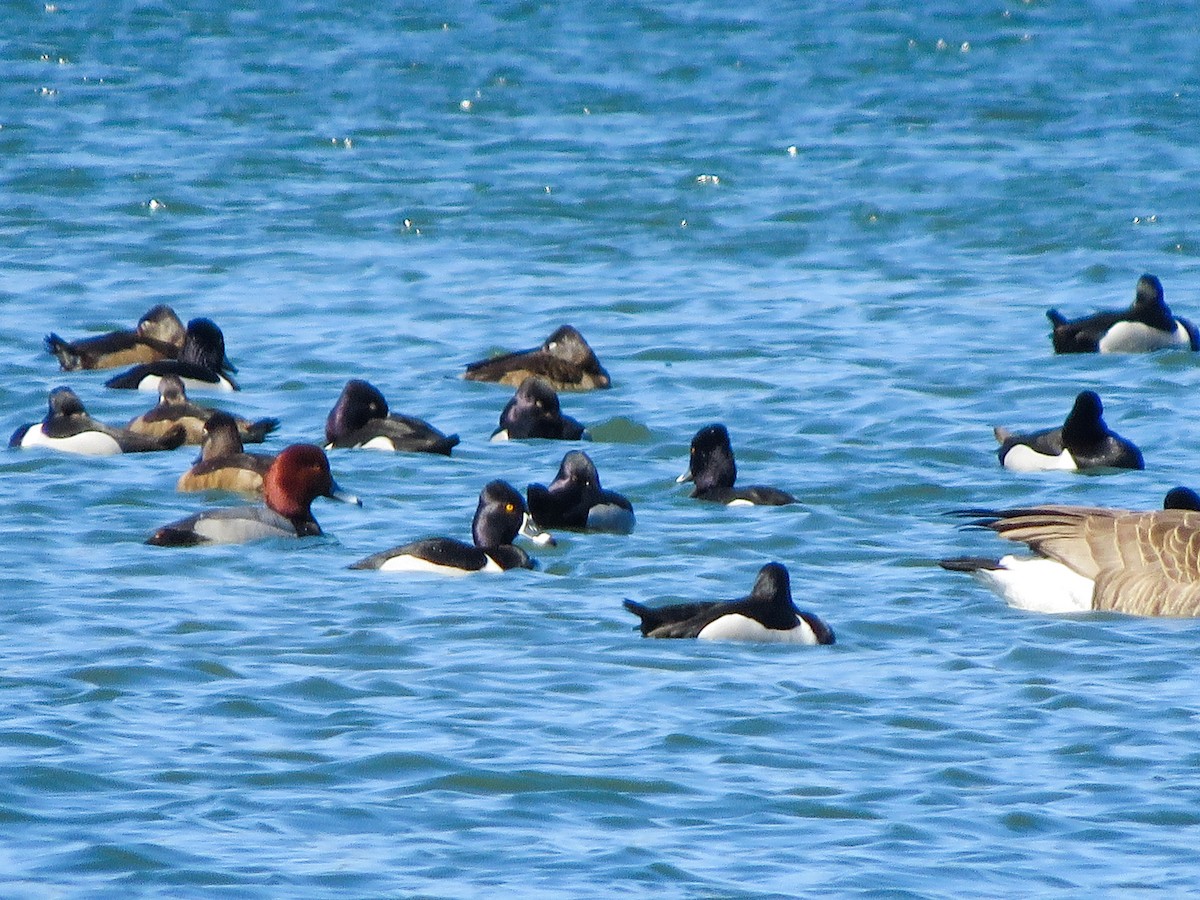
(834, 227)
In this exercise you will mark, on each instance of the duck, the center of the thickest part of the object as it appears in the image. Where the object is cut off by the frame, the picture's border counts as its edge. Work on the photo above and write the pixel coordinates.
(68, 428)
(1182, 498)
(159, 335)
(360, 418)
(223, 464)
(535, 412)
(767, 615)
(1088, 559)
(201, 364)
(299, 474)
(564, 361)
(174, 408)
(1147, 325)
(1083, 443)
(575, 500)
(711, 467)
(499, 517)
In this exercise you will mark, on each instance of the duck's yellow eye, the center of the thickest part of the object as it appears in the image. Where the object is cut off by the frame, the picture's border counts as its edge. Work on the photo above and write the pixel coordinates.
(508, 507)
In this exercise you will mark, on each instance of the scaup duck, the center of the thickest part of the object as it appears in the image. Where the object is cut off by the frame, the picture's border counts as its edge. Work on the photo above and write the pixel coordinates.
(174, 408)
(575, 499)
(499, 518)
(564, 361)
(223, 464)
(1092, 559)
(298, 476)
(1082, 443)
(159, 335)
(534, 412)
(711, 467)
(202, 363)
(1146, 326)
(767, 615)
(69, 429)
(360, 418)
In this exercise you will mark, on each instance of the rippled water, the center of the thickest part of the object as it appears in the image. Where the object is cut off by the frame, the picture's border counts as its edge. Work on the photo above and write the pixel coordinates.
(834, 227)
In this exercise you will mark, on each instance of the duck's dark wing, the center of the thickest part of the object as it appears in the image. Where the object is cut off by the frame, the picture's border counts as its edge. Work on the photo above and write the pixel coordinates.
(405, 432)
(131, 442)
(561, 374)
(437, 551)
(506, 556)
(679, 620)
(107, 351)
(132, 379)
(565, 508)
(1081, 335)
(757, 494)
(1114, 452)
(1048, 442)
(256, 432)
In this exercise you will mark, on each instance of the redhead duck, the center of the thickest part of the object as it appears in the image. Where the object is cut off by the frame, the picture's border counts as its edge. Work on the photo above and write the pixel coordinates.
(159, 335)
(69, 429)
(174, 408)
(534, 412)
(1081, 443)
(1147, 325)
(576, 500)
(767, 615)
(201, 364)
(360, 418)
(298, 476)
(499, 518)
(223, 464)
(712, 468)
(564, 361)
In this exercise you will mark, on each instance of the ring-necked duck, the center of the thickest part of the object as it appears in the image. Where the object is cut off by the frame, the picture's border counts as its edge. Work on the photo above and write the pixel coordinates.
(174, 408)
(564, 361)
(223, 464)
(159, 335)
(360, 418)
(1083, 442)
(534, 412)
(575, 499)
(767, 615)
(69, 429)
(1145, 326)
(499, 517)
(711, 467)
(201, 364)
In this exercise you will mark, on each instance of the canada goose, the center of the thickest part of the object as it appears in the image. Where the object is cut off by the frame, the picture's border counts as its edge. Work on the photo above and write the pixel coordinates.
(1143, 563)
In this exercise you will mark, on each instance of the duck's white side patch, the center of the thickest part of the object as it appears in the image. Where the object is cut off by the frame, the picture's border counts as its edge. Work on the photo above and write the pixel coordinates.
(740, 502)
(222, 384)
(1023, 458)
(1135, 337)
(379, 443)
(1038, 585)
(86, 443)
(501, 435)
(150, 383)
(737, 627)
(409, 563)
